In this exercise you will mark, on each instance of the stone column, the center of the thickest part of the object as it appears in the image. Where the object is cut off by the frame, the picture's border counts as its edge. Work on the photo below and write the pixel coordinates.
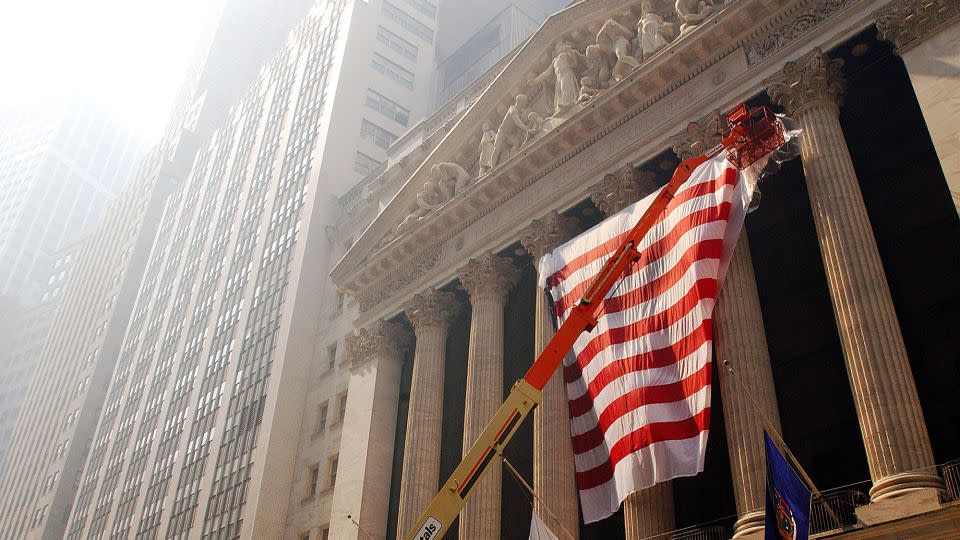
(649, 512)
(487, 279)
(891, 420)
(554, 475)
(740, 340)
(431, 314)
(362, 488)
(927, 36)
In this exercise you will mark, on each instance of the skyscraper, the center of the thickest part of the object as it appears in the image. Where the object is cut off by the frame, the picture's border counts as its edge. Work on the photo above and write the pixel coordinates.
(59, 169)
(63, 402)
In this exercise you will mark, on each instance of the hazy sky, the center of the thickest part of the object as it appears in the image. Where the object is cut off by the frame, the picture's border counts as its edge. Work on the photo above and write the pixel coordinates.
(127, 55)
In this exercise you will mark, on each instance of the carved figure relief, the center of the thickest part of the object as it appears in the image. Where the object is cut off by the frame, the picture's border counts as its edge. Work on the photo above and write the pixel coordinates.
(513, 129)
(614, 38)
(562, 75)
(450, 178)
(652, 31)
(487, 145)
(692, 13)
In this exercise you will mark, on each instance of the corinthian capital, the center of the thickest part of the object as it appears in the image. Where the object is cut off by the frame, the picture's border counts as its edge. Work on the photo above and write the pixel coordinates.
(813, 78)
(546, 233)
(489, 275)
(621, 189)
(380, 337)
(432, 308)
(699, 136)
(906, 22)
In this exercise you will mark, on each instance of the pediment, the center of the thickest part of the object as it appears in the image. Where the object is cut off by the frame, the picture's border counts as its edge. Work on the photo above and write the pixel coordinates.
(464, 192)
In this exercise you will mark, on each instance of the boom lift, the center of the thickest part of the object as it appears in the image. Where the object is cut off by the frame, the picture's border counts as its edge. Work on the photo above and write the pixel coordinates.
(753, 134)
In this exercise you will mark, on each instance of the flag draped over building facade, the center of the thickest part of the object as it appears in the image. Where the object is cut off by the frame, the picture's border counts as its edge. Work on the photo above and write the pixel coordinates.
(639, 384)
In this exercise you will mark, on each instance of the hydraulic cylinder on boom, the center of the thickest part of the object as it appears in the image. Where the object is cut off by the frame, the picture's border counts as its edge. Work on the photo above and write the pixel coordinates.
(752, 135)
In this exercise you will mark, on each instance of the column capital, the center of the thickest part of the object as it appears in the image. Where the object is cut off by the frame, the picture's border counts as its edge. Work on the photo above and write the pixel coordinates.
(432, 308)
(812, 78)
(906, 23)
(489, 274)
(546, 233)
(380, 337)
(699, 136)
(621, 189)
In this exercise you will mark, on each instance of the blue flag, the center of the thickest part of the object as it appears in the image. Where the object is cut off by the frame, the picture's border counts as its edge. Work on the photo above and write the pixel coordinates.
(788, 499)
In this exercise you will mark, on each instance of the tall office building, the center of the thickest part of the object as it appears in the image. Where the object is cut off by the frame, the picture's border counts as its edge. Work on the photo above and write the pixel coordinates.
(60, 167)
(56, 423)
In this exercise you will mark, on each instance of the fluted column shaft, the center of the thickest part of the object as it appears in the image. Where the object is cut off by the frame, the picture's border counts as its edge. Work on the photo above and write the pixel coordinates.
(554, 474)
(430, 314)
(740, 340)
(487, 280)
(649, 512)
(891, 420)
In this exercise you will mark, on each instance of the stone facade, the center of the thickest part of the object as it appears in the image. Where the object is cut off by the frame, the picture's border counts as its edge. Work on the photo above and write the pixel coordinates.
(600, 143)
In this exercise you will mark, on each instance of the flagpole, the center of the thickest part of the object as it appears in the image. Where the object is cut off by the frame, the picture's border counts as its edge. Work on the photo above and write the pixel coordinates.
(524, 483)
(781, 444)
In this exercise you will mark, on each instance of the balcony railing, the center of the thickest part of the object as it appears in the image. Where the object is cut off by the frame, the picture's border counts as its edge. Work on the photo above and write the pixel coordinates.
(714, 532)
(843, 503)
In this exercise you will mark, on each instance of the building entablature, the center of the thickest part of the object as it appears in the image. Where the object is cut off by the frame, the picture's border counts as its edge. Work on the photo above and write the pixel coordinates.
(473, 194)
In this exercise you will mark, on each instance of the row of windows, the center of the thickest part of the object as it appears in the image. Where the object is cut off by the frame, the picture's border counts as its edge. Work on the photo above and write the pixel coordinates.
(408, 23)
(365, 164)
(396, 43)
(424, 6)
(313, 473)
(376, 134)
(392, 70)
(386, 106)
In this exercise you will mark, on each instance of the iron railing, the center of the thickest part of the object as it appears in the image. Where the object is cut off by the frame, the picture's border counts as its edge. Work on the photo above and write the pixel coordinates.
(843, 503)
(713, 532)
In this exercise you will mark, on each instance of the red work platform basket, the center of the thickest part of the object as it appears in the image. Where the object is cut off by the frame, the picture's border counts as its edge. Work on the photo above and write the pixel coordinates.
(753, 134)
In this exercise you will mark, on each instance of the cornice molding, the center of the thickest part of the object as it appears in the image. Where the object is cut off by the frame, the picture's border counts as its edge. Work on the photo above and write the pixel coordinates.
(906, 23)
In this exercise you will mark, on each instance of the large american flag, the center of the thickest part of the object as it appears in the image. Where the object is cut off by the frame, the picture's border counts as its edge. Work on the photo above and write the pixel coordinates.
(639, 383)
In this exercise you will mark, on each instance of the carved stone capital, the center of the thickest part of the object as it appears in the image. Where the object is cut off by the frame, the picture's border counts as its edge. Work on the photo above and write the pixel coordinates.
(546, 233)
(432, 308)
(906, 22)
(621, 189)
(811, 79)
(699, 136)
(489, 274)
(380, 337)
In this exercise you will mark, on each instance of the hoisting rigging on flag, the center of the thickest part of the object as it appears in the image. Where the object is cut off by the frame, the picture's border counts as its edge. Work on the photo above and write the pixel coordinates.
(753, 134)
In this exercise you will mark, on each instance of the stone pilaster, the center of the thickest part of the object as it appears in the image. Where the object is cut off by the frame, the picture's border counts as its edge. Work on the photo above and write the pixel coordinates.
(362, 489)
(621, 189)
(740, 340)
(488, 279)
(891, 420)
(926, 34)
(431, 314)
(554, 478)
(648, 512)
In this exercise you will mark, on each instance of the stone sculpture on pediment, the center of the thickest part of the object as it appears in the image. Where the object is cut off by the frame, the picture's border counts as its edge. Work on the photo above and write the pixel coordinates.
(692, 13)
(535, 127)
(615, 39)
(513, 130)
(450, 178)
(487, 146)
(598, 65)
(653, 32)
(562, 74)
(427, 200)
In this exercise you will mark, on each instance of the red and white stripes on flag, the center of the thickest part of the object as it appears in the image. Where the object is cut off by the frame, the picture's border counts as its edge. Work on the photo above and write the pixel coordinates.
(639, 383)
